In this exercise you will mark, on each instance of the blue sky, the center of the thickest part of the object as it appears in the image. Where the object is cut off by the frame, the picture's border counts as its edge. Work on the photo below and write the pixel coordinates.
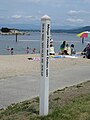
(62, 12)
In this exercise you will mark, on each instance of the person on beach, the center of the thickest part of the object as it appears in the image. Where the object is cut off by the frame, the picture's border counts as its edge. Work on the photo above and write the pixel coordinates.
(67, 50)
(73, 51)
(62, 47)
(51, 41)
(34, 50)
(27, 50)
(8, 49)
(51, 52)
(87, 51)
(11, 51)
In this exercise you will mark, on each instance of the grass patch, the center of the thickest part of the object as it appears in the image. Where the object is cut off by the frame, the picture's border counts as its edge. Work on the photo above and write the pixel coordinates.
(64, 104)
(77, 109)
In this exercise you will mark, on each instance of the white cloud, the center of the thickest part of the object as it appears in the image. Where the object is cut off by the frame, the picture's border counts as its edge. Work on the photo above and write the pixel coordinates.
(21, 16)
(75, 20)
(24, 17)
(72, 12)
(28, 16)
(16, 16)
(76, 12)
(29, 11)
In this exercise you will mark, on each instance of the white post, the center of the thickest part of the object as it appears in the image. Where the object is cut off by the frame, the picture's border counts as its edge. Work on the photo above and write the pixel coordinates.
(44, 51)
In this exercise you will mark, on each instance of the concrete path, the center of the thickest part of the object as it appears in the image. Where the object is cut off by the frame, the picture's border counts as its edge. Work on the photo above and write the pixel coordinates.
(16, 89)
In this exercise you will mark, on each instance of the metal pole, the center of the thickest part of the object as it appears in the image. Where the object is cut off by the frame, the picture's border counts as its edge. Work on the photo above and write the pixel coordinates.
(16, 37)
(44, 52)
(82, 40)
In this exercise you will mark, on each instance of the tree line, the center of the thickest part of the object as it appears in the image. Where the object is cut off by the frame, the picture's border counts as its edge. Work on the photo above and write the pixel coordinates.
(6, 30)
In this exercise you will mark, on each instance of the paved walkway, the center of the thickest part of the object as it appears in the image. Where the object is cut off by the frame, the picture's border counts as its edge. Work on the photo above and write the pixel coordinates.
(16, 89)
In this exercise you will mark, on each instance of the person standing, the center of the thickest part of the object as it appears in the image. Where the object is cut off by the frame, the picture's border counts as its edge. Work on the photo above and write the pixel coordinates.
(11, 51)
(27, 50)
(34, 50)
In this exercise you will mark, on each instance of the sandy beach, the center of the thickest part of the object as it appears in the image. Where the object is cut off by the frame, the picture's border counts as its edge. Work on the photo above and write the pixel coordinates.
(19, 77)
(17, 65)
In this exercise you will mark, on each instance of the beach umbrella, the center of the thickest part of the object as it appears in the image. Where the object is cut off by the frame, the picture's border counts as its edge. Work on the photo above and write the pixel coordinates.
(85, 34)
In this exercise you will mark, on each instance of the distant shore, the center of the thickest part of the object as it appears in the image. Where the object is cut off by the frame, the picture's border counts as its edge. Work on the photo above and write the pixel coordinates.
(18, 33)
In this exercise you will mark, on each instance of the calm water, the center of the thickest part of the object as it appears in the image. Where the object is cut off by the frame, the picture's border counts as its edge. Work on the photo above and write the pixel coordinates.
(33, 41)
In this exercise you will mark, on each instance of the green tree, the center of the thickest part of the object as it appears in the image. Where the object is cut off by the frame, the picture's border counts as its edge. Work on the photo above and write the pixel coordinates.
(5, 29)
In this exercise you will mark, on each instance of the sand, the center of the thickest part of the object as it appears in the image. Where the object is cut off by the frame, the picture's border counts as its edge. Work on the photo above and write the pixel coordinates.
(25, 75)
(17, 65)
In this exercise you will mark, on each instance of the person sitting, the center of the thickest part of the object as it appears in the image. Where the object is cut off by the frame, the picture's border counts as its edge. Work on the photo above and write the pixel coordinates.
(52, 52)
(87, 51)
(67, 50)
(73, 51)
(51, 41)
(62, 47)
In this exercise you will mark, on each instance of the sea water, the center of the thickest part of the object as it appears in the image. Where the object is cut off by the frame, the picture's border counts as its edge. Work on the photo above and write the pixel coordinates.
(33, 41)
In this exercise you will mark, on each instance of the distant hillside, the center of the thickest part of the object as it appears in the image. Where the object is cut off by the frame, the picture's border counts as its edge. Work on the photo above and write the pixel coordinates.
(37, 28)
(78, 30)
(74, 30)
